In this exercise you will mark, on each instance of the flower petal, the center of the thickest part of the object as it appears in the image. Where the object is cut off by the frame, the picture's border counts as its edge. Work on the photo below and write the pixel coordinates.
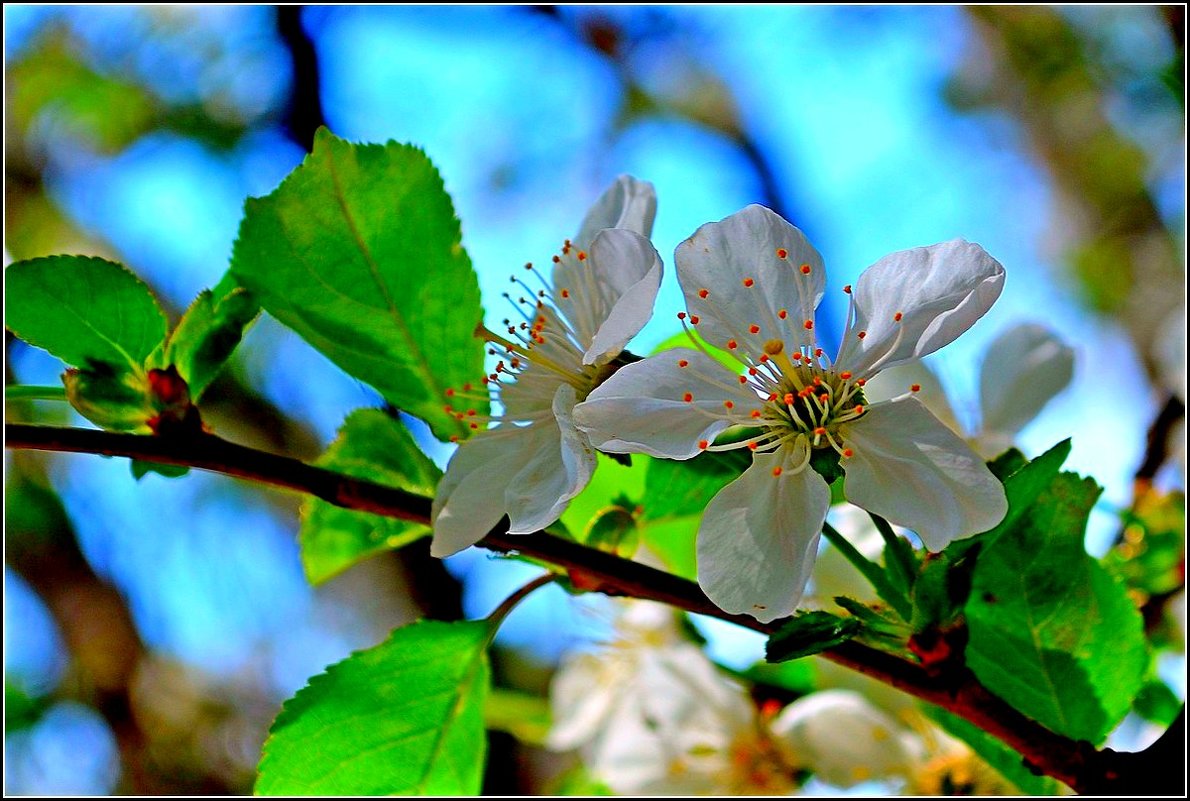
(896, 381)
(628, 270)
(642, 407)
(913, 470)
(560, 463)
(1024, 368)
(939, 292)
(759, 537)
(627, 203)
(844, 739)
(470, 496)
(736, 262)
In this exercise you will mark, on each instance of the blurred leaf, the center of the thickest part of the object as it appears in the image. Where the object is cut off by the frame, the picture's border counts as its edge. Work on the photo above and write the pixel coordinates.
(84, 310)
(1152, 552)
(798, 676)
(359, 251)
(610, 481)
(683, 340)
(673, 540)
(140, 469)
(21, 710)
(578, 782)
(1157, 703)
(402, 718)
(1006, 761)
(613, 530)
(373, 446)
(1051, 632)
(206, 336)
(810, 633)
(524, 716)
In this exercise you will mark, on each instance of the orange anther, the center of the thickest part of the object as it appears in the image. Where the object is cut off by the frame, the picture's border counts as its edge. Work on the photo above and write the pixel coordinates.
(732, 344)
(565, 293)
(846, 374)
(450, 393)
(808, 325)
(703, 444)
(474, 426)
(782, 314)
(897, 317)
(454, 437)
(915, 387)
(859, 409)
(683, 363)
(754, 329)
(848, 452)
(777, 471)
(752, 371)
(862, 334)
(752, 446)
(681, 315)
(702, 293)
(823, 398)
(847, 289)
(582, 256)
(743, 379)
(688, 397)
(557, 259)
(861, 381)
(782, 253)
(728, 404)
(694, 319)
(756, 414)
(805, 269)
(788, 398)
(820, 431)
(748, 282)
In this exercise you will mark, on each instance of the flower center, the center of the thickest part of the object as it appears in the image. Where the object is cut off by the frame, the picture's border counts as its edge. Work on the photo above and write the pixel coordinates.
(807, 398)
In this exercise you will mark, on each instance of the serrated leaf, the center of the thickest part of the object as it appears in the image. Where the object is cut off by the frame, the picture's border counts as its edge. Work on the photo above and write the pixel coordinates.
(1026, 483)
(207, 335)
(1052, 632)
(1004, 760)
(373, 446)
(86, 311)
(402, 718)
(810, 633)
(359, 251)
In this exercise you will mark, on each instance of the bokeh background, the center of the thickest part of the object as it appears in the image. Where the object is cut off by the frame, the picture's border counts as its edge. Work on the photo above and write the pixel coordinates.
(152, 629)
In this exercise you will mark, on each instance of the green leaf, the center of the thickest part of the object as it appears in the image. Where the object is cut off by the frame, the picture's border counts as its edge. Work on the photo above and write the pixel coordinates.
(86, 311)
(1006, 761)
(141, 468)
(1157, 703)
(110, 397)
(373, 446)
(681, 488)
(809, 633)
(798, 676)
(1052, 632)
(402, 718)
(359, 252)
(673, 540)
(613, 530)
(1026, 483)
(682, 340)
(207, 336)
(524, 716)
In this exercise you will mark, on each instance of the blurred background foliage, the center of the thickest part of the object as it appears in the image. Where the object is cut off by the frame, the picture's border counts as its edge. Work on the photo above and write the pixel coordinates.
(153, 628)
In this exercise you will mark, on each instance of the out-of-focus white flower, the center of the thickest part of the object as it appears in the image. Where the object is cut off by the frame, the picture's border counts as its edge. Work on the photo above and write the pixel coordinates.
(833, 575)
(752, 282)
(599, 296)
(1023, 369)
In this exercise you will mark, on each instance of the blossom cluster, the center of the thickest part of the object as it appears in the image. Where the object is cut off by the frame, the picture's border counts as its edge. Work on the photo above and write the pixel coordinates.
(752, 283)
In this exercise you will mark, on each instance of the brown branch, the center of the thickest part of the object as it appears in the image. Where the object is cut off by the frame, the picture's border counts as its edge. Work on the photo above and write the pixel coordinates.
(1077, 763)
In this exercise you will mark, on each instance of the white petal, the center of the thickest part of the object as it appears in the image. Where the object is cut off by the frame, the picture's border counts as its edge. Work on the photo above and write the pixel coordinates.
(628, 268)
(720, 257)
(470, 497)
(582, 694)
(939, 291)
(912, 470)
(559, 466)
(627, 203)
(759, 537)
(1024, 368)
(641, 408)
(843, 738)
(896, 381)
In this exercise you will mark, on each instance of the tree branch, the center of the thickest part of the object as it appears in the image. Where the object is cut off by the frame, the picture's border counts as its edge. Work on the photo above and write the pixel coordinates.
(1077, 763)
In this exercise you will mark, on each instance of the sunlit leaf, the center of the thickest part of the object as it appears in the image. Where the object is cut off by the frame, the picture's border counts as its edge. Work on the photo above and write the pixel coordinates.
(86, 311)
(402, 718)
(359, 251)
(1052, 632)
(206, 337)
(373, 446)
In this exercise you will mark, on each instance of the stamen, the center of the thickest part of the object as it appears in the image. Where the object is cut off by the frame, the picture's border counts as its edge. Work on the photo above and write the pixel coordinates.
(805, 269)
(703, 444)
(808, 325)
(862, 334)
(897, 317)
(782, 253)
(748, 282)
(683, 363)
(847, 289)
(688, 397)
(754, 329)
(915, 387)
(777, 471)
(782, 314)
(702, 293)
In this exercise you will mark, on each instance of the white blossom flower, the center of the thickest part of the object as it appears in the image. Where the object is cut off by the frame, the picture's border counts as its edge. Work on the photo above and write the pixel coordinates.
(652, 715)
(752, 282)
(1023, 369)
(599, 295)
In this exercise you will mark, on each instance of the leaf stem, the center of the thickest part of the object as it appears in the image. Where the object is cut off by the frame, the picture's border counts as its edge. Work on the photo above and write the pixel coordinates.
(871, 571)
(20, 392)
(496, 618)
